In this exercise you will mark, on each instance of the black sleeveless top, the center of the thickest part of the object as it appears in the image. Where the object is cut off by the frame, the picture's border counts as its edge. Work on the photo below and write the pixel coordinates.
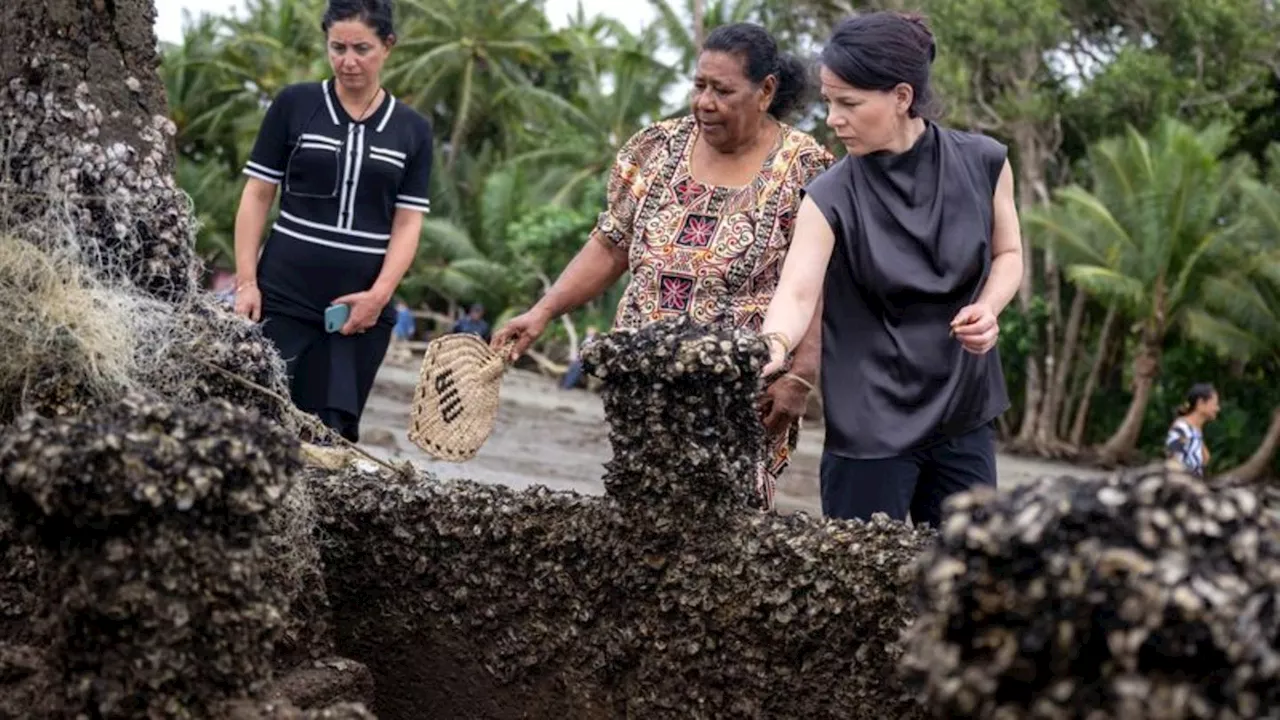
(912, 247)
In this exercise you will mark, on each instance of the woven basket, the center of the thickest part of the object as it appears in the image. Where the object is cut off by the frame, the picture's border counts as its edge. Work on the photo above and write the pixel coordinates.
(456, 400)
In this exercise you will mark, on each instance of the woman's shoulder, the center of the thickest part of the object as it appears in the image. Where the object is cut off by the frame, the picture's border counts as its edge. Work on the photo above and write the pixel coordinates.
(804, 156)
(300, 91)
(658, 134)
(802, 144)
(972, 142)
(838, 174)
(411, 116)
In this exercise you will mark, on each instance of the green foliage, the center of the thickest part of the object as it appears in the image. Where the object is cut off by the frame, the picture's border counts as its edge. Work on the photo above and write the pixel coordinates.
(1152, 103)
(1155, 234)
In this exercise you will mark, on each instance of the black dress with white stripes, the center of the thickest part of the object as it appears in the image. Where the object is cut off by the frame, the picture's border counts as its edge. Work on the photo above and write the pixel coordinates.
(341, 183)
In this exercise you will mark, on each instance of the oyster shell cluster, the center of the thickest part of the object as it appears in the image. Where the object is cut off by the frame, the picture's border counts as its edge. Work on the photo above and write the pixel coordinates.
(120, 204)
(153, 516)
(1145, 596)
(681, 402)
(670, 597)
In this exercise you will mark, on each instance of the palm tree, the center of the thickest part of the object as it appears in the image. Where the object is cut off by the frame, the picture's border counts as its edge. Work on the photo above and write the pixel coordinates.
(618, 89)
(684, 30)
(1257, 309)
(1156, 236)
(461, 62)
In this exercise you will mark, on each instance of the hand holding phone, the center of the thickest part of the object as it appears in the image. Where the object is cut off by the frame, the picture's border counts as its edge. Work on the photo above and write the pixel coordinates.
(335, 316)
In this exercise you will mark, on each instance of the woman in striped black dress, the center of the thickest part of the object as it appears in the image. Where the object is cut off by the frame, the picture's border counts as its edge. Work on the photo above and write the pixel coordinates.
(352, 165)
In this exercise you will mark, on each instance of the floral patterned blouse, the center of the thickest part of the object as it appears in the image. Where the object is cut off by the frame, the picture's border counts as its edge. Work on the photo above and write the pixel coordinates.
(710, 251)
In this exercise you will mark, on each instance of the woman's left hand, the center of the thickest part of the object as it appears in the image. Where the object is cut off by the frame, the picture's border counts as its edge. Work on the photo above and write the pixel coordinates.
(977, 328)
(365, 308)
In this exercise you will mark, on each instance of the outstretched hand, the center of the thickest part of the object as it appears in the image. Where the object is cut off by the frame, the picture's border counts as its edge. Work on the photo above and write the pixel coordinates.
(522, 331)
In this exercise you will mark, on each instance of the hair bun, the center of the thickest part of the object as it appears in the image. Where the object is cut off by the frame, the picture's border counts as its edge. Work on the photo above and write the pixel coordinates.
(920, 22)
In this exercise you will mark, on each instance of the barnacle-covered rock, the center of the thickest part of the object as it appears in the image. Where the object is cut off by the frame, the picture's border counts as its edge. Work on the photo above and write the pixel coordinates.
(212, 335)
(154, 515)
(20, 580)
(668, 598)
(1142, 597)
(284, 710)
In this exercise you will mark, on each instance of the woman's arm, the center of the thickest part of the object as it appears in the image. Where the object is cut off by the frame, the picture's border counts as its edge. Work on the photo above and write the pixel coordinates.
(251, 217)
(255, 204)
(977, 326)
(406, 228)
(1006, 247)
(795, 302)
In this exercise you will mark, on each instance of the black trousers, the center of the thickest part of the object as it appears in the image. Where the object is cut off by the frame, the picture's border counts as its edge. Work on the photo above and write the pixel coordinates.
(915, 482)
(330, 375)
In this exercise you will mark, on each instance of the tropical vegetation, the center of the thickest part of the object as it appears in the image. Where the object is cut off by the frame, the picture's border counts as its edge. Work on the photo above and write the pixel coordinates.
(1142, 135)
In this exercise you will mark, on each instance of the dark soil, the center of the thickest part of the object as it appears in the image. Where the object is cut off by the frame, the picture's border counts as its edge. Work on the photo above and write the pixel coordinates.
(432, 673)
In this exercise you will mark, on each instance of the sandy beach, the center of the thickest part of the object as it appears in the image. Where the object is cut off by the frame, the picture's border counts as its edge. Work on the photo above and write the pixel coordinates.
(559, 439)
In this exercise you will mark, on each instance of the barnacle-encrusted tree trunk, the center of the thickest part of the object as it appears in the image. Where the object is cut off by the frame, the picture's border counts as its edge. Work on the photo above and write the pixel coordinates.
(86, 139)
(101, 43)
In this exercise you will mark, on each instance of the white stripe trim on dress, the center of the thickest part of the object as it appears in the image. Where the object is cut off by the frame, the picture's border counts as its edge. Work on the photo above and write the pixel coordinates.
(387, 116)
(386, 159)
(264, 169)
(320, 146)
(320, 138)
(329, 102)
(265, 178)
(330, 243)
(346, 175)
(413, 199)
(333, 228)
(374, 150)
(355, 177)
(419, 208)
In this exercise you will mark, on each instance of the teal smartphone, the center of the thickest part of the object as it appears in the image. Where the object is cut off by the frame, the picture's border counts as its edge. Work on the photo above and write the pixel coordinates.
(335, 316)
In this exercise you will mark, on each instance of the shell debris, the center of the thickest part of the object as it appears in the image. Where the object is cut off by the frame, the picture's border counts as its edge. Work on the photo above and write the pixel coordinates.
(1141, 596)
(670, 597)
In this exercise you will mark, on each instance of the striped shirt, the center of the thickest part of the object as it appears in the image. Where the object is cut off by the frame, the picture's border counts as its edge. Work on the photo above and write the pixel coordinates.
(1185, 443)
(341, 184)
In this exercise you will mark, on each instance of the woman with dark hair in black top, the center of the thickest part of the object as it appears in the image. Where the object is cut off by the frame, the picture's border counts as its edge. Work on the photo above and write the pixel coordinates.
(913, 241)
(353, 165)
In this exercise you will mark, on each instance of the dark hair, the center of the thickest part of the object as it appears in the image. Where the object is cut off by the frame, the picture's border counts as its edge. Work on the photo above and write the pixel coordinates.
(377, 14)
(1200, 392)
(879, 50)
(760, 59)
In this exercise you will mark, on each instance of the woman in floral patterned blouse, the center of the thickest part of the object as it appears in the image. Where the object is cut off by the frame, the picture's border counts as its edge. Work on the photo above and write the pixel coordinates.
(700, 211)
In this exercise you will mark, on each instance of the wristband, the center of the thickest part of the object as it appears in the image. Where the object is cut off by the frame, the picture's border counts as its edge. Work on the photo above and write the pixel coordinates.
(782, 339)
(801, 380)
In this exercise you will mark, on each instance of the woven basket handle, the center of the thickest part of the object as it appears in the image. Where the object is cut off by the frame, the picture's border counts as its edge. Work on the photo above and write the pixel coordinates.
(499, 361)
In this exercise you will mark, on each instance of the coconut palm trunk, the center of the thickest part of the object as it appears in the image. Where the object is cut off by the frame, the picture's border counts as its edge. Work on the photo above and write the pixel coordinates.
(1146, 367)
(1258, 463)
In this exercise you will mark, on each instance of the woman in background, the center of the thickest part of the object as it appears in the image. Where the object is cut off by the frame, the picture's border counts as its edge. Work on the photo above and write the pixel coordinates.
(700, 210)
(1185, 441)
(914, 241)
(353, 164)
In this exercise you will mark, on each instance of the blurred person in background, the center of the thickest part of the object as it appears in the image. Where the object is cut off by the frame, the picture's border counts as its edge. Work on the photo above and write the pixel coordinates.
(473, 322)
(1185, 443)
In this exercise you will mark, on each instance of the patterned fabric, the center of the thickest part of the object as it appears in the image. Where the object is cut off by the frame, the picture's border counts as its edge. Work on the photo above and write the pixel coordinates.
(712, 252)
(1185, 443)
